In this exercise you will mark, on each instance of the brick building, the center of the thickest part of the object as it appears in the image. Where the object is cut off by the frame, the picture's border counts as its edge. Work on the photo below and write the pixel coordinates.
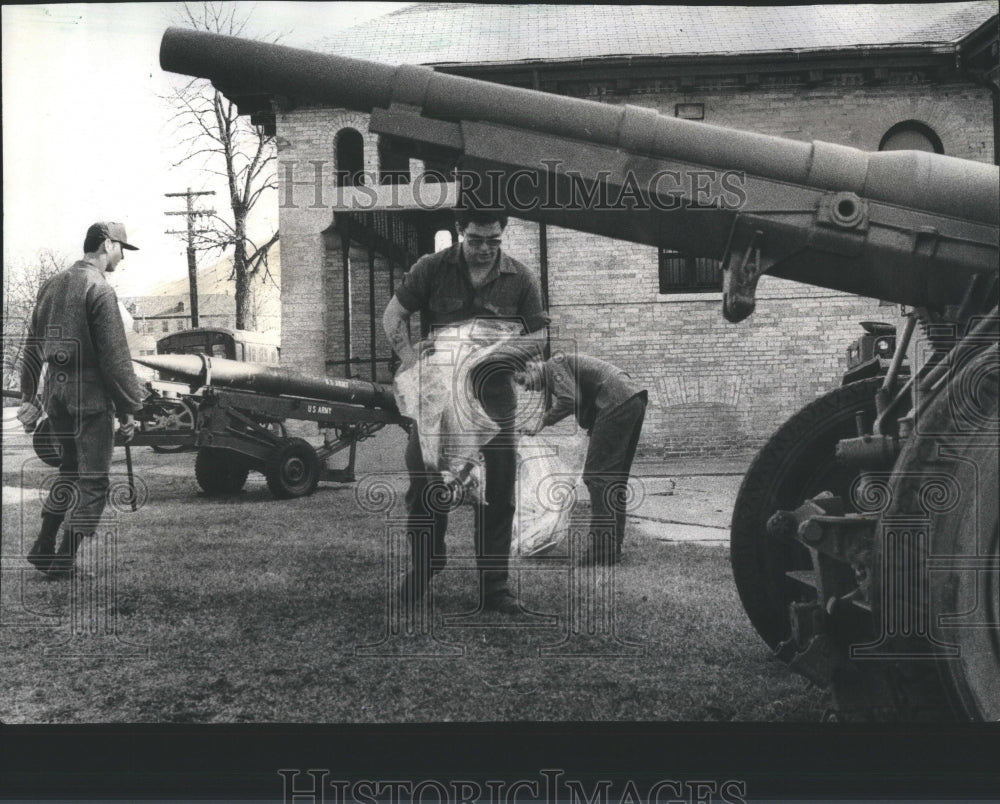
(871, 77)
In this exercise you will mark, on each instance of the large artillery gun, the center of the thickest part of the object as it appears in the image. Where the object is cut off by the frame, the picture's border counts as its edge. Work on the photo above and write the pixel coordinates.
(239, 413)
(865, 541)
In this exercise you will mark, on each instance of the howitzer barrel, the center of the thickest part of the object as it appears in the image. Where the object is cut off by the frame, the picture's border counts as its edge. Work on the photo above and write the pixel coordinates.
(929, 182)
(904, 226)
(204, 370)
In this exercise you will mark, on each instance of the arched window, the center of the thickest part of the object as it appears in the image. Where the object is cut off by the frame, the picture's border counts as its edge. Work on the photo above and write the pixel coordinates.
(350, 153)
(393, 166)
(911, 135)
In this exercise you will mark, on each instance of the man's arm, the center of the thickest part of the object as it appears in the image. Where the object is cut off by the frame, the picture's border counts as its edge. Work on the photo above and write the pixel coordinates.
(114, 359)
(530, 346)
(562, 382)
(31, 361)
(396, 323)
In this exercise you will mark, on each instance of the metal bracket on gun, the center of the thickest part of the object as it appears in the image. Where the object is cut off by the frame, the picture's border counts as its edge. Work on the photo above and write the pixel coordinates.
(739, 284)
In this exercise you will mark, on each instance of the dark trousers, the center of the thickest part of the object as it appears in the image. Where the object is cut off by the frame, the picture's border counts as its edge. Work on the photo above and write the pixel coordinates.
(87, 439)
(613, 441)
(427, 507)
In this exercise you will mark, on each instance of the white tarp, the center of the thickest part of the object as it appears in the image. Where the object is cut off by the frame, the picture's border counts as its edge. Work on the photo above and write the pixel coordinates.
(549, 468)
(437, 394)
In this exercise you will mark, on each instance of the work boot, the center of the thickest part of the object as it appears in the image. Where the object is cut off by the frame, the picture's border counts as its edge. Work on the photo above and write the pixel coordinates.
(502, 601)
(62, 564)
(42, 552)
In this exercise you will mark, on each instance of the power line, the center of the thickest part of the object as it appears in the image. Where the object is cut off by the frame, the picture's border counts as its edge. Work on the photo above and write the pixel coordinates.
(190, 232)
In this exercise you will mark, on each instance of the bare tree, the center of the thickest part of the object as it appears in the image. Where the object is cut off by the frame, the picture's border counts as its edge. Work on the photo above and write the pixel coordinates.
(21, 282)
(233, 148)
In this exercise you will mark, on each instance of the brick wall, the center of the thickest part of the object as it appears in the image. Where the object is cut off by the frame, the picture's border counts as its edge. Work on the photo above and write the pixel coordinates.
(714, 387)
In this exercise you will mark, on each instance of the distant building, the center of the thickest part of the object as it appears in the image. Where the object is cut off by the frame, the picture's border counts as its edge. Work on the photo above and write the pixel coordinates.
(167, 307)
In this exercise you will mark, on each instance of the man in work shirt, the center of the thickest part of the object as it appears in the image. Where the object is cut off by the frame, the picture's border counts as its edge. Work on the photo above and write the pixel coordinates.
(610, 407)
(470, 280)
(77, 330)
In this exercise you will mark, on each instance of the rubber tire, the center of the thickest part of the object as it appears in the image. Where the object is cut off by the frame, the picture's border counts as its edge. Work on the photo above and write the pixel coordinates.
(165, 450)
(162, 449)
(965, 524)
(292, 469)
(797, 463)
(46, 445)
(220, 472)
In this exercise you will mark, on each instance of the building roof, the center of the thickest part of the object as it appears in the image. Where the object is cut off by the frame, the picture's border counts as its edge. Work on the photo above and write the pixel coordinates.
(464, 33)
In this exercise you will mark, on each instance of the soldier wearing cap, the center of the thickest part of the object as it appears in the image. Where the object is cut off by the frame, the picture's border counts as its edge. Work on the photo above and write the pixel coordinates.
(611, 407)
(76, 331)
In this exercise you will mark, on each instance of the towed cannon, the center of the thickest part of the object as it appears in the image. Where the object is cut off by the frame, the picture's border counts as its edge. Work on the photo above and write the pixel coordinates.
(239, 414)
(865, 541)
(218, 371)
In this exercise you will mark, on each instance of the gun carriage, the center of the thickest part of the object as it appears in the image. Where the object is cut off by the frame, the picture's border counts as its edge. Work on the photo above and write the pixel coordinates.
(865, 535)
(234, 414)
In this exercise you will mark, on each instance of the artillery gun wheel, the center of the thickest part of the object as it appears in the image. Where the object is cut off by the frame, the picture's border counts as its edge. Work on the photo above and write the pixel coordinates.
(292, 469)
(945, 482)
(171, 415)
(797, 463)
(220, 472)
(46, 445)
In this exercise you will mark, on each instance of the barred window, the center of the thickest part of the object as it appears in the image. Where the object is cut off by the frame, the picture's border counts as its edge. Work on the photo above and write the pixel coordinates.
(680, 273)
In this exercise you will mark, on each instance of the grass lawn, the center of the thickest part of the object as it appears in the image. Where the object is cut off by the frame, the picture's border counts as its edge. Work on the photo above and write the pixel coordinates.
(257, 610)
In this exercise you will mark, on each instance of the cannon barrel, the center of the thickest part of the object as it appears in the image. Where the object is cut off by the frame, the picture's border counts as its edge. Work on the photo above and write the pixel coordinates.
(205, 370)
(916, 179)
(904, 226)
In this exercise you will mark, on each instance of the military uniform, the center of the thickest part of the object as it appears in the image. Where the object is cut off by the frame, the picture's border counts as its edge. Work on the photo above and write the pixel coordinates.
(611, 407)
(76, 329)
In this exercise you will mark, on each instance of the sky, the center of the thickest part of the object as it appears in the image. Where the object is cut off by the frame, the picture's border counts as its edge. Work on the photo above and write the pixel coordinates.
(87, 135)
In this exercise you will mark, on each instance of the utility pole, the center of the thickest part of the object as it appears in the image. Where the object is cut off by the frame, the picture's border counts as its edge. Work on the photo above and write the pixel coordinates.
(191, 213)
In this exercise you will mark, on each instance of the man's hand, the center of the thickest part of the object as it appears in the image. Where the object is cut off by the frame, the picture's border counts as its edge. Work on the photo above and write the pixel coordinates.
(126, 426)
(28, 414)
(411, 356)
(531, 431)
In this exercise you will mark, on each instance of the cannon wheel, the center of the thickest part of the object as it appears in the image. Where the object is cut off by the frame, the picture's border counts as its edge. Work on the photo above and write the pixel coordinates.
(177, 415)
(797, 463)
(46, 445)
(292, 469)
(220, 472)
(947, 476)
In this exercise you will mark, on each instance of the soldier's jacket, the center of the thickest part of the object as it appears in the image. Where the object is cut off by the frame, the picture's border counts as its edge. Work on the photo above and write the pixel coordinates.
(585, 385)
(77, 329)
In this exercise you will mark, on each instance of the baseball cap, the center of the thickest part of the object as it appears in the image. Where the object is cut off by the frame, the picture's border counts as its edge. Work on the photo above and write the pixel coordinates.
(112, 230)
